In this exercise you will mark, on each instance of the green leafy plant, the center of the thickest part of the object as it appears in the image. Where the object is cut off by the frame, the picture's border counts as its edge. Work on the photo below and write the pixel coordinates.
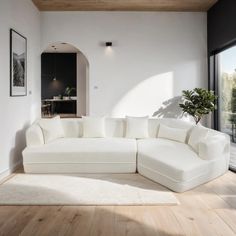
(198, 102)
(69, 90)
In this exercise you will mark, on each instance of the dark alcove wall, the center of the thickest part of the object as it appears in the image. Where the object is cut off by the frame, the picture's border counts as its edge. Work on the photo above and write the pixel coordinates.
(221, 32)
(221, 20)
(61, 65)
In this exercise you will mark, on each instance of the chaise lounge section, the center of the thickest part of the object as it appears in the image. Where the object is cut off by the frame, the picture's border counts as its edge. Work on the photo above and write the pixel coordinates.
(176, 165)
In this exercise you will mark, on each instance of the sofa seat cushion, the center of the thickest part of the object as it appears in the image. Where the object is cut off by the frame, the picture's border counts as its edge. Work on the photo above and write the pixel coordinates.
(173, 160)
(83, 150)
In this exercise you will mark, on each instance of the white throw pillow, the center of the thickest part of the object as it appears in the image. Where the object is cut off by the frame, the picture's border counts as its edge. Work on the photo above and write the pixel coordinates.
(52, 129)
(175, 134)
(93, 127)
(136, 127)
(197, 134)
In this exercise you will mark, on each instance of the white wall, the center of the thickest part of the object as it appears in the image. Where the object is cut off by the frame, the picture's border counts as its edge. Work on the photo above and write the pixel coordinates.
(155, 56)
(17, 112)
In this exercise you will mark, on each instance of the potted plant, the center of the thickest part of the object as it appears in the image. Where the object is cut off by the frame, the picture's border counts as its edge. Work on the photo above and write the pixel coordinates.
(198, 102)
(68, 92)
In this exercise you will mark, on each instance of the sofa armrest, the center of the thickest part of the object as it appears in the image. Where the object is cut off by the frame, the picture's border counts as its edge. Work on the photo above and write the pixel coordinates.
(214, 146)
(34, 136)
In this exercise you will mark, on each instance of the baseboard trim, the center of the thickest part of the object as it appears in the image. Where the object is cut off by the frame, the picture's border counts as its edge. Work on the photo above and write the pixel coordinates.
(7, 172)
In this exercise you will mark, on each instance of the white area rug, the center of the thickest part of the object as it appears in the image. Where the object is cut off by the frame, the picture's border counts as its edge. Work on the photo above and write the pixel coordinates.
(86, 189)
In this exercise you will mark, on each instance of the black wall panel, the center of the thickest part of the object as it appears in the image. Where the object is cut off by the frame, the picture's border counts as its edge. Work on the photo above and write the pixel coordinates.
(61, 65)
(221, 25)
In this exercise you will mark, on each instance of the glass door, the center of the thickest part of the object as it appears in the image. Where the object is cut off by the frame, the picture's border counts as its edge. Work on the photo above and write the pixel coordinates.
(226, 81)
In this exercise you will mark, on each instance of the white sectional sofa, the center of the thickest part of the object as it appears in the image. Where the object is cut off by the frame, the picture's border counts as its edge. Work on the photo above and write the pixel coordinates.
(178, 165)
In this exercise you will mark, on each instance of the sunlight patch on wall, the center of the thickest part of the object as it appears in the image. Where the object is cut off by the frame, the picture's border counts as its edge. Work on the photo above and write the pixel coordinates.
(145, 98)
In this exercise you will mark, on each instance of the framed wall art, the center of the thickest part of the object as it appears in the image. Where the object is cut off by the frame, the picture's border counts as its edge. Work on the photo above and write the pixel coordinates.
(18, 64)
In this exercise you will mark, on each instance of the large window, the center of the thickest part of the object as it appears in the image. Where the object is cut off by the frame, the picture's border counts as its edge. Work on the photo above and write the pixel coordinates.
(226, 80)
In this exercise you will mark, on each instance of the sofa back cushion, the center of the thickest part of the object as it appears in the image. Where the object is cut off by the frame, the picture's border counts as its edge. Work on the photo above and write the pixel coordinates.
(73, 128)
(116, 127)
(93, 127)
(198, 134)
(136, 127)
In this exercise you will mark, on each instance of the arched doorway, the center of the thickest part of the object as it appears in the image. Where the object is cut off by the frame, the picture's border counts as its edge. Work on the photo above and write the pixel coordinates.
(64, 81)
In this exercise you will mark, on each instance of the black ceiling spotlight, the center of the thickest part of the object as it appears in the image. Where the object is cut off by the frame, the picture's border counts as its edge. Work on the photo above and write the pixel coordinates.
(108, 44)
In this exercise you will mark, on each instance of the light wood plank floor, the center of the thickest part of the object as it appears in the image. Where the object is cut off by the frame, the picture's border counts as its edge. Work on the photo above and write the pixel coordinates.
(207, 210)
